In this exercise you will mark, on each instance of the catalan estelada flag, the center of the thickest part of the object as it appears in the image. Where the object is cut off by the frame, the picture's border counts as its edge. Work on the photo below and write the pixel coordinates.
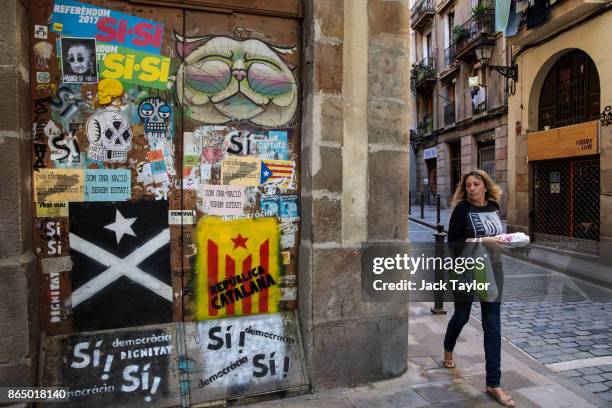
(237, 267)
(281, 170)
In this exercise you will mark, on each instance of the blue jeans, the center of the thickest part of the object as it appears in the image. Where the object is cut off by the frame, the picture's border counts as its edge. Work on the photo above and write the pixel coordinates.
(491, 325)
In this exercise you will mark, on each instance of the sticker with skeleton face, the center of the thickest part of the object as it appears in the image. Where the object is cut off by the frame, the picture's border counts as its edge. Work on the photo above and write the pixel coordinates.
(110, 137)
(79, 60)
(155, 114)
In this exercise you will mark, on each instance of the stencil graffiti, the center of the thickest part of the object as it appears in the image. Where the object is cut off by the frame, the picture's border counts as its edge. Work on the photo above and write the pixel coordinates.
(54, 231)
(240, 142)
(241, 356)
(155, 115)
(120, 368)
(222, 80)
(54, 284)
(123, 250)
(238, 267)
(64, 147)
(110, 137)
(38, 131)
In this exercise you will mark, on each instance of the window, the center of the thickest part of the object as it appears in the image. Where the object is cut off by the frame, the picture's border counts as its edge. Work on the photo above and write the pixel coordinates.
(570, 93)
(486, 157)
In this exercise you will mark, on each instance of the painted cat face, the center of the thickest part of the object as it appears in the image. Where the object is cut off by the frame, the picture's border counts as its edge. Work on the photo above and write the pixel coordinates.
(223, 80)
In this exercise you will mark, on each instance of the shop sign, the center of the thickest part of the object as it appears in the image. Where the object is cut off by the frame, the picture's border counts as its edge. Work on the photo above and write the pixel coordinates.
(430, 153)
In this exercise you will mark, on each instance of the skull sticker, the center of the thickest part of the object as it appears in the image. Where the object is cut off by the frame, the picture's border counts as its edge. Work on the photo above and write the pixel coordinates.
(155, 114)
(110, 137)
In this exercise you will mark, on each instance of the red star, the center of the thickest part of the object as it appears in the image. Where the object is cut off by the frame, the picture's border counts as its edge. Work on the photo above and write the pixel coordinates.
(240, 241)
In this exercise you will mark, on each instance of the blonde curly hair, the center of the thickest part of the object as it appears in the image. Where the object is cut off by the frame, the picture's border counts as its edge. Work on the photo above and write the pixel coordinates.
(493, 191)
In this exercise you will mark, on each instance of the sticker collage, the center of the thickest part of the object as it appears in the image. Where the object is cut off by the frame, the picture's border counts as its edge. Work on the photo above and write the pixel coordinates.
(166, 194)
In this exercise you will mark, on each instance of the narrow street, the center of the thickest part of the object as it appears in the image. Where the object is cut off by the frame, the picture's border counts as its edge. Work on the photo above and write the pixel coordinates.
(570, 331)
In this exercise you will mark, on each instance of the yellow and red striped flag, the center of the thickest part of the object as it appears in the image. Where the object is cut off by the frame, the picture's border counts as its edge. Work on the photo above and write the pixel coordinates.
(238, 267)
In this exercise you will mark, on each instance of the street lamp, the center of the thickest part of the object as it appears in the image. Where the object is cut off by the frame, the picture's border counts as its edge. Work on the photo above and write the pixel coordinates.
(484, 52)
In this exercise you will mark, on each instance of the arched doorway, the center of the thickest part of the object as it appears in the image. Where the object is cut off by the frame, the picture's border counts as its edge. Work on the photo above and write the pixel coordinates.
(566, 212)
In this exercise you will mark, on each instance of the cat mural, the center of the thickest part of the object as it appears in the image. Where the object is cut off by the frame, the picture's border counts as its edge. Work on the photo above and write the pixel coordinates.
(222, 80)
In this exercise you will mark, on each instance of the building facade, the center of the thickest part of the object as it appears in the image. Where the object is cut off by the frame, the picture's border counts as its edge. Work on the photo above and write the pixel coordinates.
(460, 106)
(559, 125)
(136, 268)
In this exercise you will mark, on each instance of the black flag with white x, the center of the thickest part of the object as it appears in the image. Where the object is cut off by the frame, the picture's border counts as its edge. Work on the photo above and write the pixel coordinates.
(121, 274)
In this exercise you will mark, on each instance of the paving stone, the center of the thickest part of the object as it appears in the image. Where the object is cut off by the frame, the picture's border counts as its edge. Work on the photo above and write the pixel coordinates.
(571, 373)
(607, 376)
(596, 387)
(406, 398)
(581, 355)
(600, 352)
(549, 360)
(594, 378)
(553, 396)
(590, 370)
(446, 390)
(606, 396)
(580, 380)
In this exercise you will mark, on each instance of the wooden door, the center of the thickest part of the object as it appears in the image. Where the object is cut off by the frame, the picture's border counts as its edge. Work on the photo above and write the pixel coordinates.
(166, 199)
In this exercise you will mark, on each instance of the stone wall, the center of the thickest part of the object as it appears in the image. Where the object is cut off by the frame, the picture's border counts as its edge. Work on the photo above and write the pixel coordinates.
(18, 310)
(354, 184)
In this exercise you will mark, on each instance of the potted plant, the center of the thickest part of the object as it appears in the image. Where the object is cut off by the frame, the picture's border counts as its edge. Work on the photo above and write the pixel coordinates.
(459, 34)
(482, 13)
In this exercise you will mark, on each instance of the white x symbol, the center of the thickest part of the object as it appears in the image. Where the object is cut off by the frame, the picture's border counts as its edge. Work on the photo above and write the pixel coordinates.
(118, 267)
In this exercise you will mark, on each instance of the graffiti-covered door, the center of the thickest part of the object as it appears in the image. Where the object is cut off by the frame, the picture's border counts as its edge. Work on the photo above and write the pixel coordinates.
(166, 201)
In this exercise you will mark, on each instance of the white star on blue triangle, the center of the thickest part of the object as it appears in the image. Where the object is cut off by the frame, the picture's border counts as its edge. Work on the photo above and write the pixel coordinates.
(265, 173)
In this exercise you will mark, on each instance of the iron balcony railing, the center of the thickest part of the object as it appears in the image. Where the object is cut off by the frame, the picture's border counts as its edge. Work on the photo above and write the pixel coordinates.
(483, 23)
(426, 125)
(449, 113)
(425, 70)
(420, 8)
(449, 55)
(532, 18)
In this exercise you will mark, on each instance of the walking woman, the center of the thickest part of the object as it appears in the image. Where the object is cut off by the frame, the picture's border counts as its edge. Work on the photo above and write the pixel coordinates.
(475, 218)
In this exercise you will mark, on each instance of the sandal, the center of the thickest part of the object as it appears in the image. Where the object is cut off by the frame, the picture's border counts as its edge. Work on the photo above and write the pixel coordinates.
(507, 402)
(448, 362)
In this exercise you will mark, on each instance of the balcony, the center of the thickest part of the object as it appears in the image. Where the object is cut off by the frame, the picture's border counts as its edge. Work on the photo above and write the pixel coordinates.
(449, 55)
(423, 75)
(537, 25)
(449, 113)
(422, 13)
(426, 125)
(449, 63)
(480, 28)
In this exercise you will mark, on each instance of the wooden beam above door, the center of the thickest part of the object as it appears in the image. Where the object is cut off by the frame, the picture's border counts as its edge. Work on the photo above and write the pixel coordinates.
(279, 8)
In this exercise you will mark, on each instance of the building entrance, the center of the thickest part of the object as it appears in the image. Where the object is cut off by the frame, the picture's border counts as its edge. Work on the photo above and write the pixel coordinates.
(566, 203)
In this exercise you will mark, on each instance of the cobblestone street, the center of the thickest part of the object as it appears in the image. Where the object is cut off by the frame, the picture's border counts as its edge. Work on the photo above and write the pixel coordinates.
(568, 327)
